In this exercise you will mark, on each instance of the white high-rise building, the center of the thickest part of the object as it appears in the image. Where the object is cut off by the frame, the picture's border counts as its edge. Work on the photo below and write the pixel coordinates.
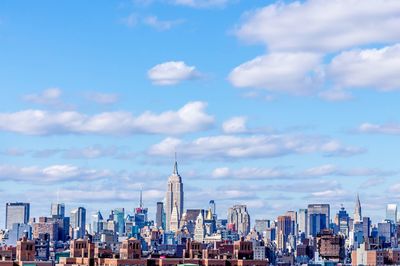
(302, 220)
(16, 213)
(199, 230)
(391, 213)
(173, 196)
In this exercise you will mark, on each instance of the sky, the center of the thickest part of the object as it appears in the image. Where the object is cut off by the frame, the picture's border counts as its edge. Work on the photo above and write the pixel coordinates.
(273, 104)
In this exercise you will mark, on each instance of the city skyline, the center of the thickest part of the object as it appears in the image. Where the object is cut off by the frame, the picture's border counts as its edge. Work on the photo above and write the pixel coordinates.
(96, 99)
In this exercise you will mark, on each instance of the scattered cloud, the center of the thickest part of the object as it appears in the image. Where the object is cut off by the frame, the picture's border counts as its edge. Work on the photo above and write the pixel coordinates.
(51, 96)
(102, 98)
(130, 21)
(51, 174)
(161, 25)
(254, 146)
(390, 128)
(326, 26)
(293, 73)
(172, 73)
(235, 125)
(368, 68)
(280, 173)
(201, 3)
(190, 118)
(335, 95)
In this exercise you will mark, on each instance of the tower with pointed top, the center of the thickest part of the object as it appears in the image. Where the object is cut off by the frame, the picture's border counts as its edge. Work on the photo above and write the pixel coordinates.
(357, 210)
(173, 196)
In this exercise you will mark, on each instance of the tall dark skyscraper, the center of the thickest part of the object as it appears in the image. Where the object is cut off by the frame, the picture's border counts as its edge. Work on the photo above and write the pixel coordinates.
(160, 215)
(17, 213)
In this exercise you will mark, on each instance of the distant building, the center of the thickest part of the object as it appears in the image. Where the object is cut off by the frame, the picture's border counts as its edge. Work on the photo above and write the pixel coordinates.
(57, 210)
(261, 225)
(160, 215)
(302, 221)
(174, 196)
(240, 218)
(78, 222)
(315, 212)
(357, 211)
(330, 246)
(17, 213)
(284, 229)
(391, 213)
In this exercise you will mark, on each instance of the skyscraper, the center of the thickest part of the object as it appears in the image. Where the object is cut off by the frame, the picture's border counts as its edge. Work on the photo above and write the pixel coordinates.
(317, 209)
(16, 213)
(239, 216)
(284, 228)
(357, 210)
(160, 215)
(57, 210)
(174, 196)
(78, 222)
(97, 222)
(302, 220)
(391, 213)
(199, 230)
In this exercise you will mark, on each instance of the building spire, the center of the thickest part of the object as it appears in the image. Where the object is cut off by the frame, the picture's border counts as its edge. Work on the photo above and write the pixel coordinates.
(141, 198)
(176, 166)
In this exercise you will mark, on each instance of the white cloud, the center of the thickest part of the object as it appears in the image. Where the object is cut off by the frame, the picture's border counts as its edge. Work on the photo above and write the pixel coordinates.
(49, 96)
(283, 173)
(201, 3)
(190, 118)
(162, 25)
(249, 173)
(368, 68)
(254, 146)
(235, 125)
(172, 73)
(294, 73)
(51, 174)
(391, 129)
(102, 98)
(320, 25)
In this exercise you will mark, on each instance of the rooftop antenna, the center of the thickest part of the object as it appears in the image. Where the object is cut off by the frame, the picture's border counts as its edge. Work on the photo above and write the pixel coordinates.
(176, 166)
(141, 197)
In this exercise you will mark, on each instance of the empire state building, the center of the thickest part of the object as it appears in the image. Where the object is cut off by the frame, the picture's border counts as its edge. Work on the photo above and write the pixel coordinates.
(174, 200)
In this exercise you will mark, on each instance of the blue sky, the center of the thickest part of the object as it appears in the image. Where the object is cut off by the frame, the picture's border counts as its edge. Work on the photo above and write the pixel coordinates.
(266, 103)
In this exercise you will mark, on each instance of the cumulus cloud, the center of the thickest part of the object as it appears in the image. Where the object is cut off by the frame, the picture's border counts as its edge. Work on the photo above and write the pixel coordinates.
(390, 128)
(254, 146)
(299, 61)
(368, 68)
(235, 125)
(294, 73)
(172, 73)
(190, 118)
(325, 25)
(49, 96)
